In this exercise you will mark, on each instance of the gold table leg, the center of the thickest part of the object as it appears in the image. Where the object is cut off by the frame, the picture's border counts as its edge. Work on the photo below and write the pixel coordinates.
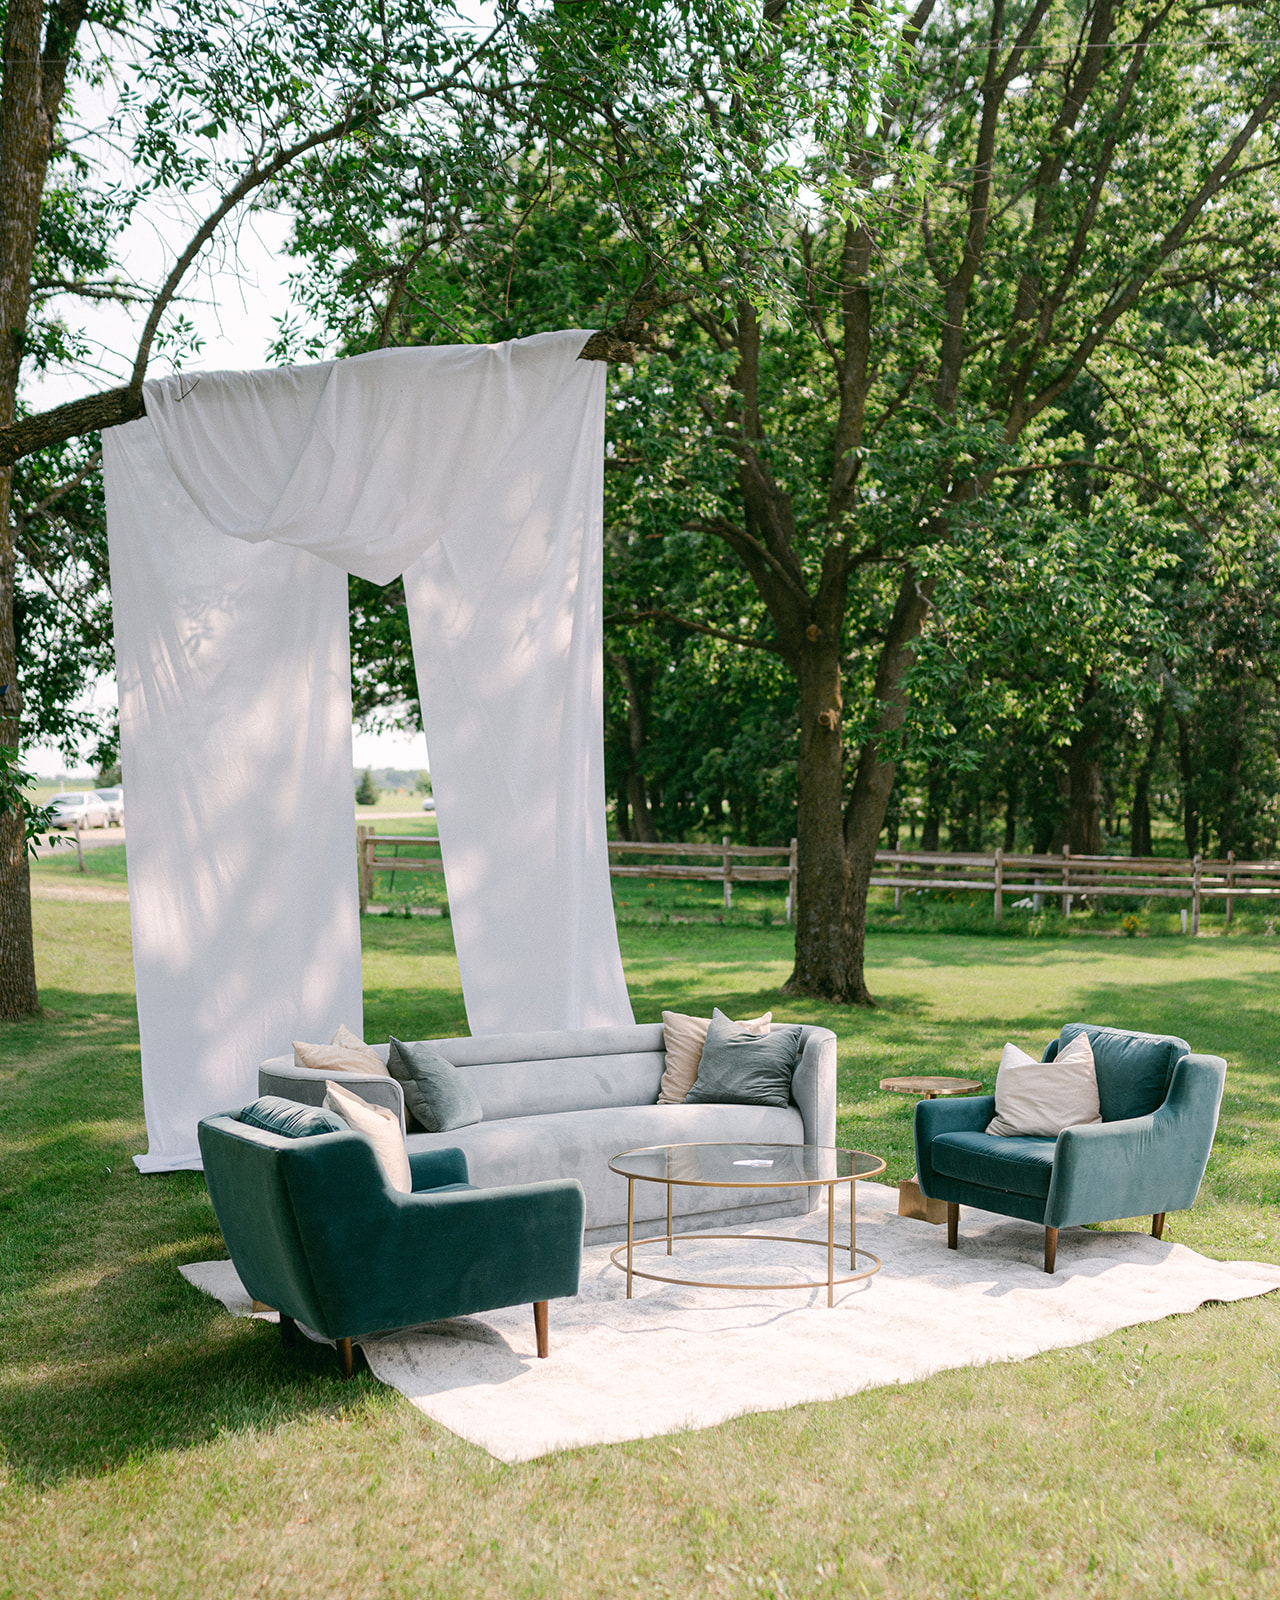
(631, 1226)
(831, 1244)
(853, 1224)
(668, 1219)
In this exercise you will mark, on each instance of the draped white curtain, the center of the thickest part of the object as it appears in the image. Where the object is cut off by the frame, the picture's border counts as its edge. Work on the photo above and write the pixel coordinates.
(235, 509)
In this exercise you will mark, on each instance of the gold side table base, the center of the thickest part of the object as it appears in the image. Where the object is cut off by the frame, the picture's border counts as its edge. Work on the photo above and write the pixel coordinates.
(782, 1238)
(911, 1203)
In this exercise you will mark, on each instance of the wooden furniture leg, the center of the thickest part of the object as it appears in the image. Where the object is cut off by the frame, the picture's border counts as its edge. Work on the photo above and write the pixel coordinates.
(345, 1356)
(288, 1332)
(953, 1225)
(1050, 1249)
(1157, 1225)
(540, 1326)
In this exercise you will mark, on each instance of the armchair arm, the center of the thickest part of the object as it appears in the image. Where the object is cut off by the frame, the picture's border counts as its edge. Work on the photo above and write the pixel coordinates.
(1140, 1165)
(813, 1086)
(431, 1168)
(965, 1114)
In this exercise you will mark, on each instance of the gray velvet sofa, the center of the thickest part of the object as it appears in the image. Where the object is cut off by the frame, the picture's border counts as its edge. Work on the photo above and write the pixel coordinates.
(560, 1104)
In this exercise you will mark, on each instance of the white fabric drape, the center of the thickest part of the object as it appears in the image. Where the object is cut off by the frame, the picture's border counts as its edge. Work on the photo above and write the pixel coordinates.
(235, 739)
(476, 471)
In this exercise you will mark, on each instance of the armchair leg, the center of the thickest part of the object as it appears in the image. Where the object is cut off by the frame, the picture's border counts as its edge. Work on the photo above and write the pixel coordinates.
(1050, 1249)
(953, 1225)
(288, 1332)
(345, 1356)
(1157, 1225)
(540, 1326)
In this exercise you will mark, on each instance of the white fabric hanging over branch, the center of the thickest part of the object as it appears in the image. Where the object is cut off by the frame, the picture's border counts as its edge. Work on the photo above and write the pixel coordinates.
(474, 470)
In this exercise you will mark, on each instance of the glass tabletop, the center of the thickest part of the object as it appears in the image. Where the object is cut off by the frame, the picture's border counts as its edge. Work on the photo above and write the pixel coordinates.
(745, 1166)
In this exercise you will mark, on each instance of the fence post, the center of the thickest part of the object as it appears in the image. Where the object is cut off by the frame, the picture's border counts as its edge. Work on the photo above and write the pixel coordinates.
(998, 897)
(369, 847)
(793, 871)
(897, 872)
(80, 843)
(728, 875)
(1066, 879)
(361, 834)
(1195, 895)
(1231, 878)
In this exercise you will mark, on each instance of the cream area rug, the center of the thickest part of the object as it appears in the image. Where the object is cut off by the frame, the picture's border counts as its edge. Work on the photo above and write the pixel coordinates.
(673, 1358)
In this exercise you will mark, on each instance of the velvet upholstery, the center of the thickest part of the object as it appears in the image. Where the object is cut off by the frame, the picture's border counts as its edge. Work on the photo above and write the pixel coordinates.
(1124, 1166)
(315, 1230)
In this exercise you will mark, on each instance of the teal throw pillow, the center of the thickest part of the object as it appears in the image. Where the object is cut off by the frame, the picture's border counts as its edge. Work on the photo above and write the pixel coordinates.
(273, 1114)
(435, 1092)
(745, 1069)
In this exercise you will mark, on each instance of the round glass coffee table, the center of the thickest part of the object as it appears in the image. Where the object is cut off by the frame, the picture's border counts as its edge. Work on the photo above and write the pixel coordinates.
(747, 1166)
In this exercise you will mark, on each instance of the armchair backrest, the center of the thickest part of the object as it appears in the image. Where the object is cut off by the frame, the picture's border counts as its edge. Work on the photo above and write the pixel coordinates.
(253, 1176)
(1134, 1069)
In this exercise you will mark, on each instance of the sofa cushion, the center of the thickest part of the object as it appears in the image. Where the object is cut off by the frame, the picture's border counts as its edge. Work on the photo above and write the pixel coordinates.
(743, 1068)
(289, 1119)
(347, 1053)
(991, 1161)
(1134, 1069)
(579, 1144)
(435, 1091)
(379, 1126)
(683, 1038)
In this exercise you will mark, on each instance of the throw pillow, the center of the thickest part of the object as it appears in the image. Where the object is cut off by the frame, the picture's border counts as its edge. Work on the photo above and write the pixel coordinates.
(742, 1068)
(1038, 1099)
(347, 1053)
(434, 1090)
(683, 1038)
(380, 1127)
(274, 1114)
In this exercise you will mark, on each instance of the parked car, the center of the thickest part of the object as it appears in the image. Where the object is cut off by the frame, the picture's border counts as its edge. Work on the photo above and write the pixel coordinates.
(429, 804)
(80, 808)
(113, 799)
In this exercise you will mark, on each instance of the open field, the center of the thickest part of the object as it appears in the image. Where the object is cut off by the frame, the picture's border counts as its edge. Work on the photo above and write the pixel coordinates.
(153, 1446)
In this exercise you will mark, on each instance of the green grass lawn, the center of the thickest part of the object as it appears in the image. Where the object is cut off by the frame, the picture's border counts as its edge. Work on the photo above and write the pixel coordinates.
(155, 1446)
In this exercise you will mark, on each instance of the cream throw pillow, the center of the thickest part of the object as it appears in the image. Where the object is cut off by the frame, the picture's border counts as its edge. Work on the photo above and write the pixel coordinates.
(381, 1127)
(347, 1053)
(683, 1039)
(1041, 1098)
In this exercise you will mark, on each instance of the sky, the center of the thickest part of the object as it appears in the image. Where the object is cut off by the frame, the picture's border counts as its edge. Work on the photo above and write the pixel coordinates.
(234, 304)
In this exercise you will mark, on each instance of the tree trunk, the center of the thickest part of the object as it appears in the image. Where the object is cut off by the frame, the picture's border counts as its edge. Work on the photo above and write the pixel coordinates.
(30, 98)
(1011, 813)
(1084, 795)
(931, 827)
(1190, 796)
(637, 718)
(823, 873)
(1140, 826)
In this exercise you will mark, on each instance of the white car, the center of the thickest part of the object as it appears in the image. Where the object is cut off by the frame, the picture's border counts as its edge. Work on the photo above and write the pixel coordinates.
(79, 809)
(429, 804)
(113, 799)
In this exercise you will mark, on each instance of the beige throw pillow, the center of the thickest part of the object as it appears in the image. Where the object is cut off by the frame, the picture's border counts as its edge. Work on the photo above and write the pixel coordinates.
(1041, 1098)
(683, 1039)
(347, 1053)
(381, 1127)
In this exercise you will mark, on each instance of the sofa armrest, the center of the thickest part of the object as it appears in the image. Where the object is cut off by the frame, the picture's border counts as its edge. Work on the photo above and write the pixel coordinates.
(1140, 1165)
(307, 1086)
(965, 1114)
(431, 1168)
(813, 1086)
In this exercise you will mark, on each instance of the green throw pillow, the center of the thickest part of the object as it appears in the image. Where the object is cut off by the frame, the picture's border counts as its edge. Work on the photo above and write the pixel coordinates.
(745, 1069)
(435, 1092)
(273, 1114)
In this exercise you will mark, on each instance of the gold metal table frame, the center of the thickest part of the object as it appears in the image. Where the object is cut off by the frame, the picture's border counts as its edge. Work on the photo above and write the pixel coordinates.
(860, 1163)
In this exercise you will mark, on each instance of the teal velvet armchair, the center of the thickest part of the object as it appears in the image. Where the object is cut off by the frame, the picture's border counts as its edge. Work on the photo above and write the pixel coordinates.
(1159, 1107)
(316, 1232)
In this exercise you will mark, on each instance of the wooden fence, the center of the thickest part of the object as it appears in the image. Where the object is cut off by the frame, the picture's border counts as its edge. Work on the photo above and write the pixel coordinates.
(721, 863)
(1068, 878)
(1065, 878)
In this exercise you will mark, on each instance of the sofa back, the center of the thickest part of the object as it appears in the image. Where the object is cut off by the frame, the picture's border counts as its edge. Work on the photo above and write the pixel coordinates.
(571, 1069)
(1134, 1069)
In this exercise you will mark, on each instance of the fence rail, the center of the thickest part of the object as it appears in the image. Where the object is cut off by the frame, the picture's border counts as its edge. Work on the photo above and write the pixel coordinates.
(1064, 877)
(726, 863)
(1068, 878)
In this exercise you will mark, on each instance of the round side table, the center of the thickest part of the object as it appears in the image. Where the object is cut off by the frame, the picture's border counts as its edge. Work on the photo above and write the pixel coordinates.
(911, 1203)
